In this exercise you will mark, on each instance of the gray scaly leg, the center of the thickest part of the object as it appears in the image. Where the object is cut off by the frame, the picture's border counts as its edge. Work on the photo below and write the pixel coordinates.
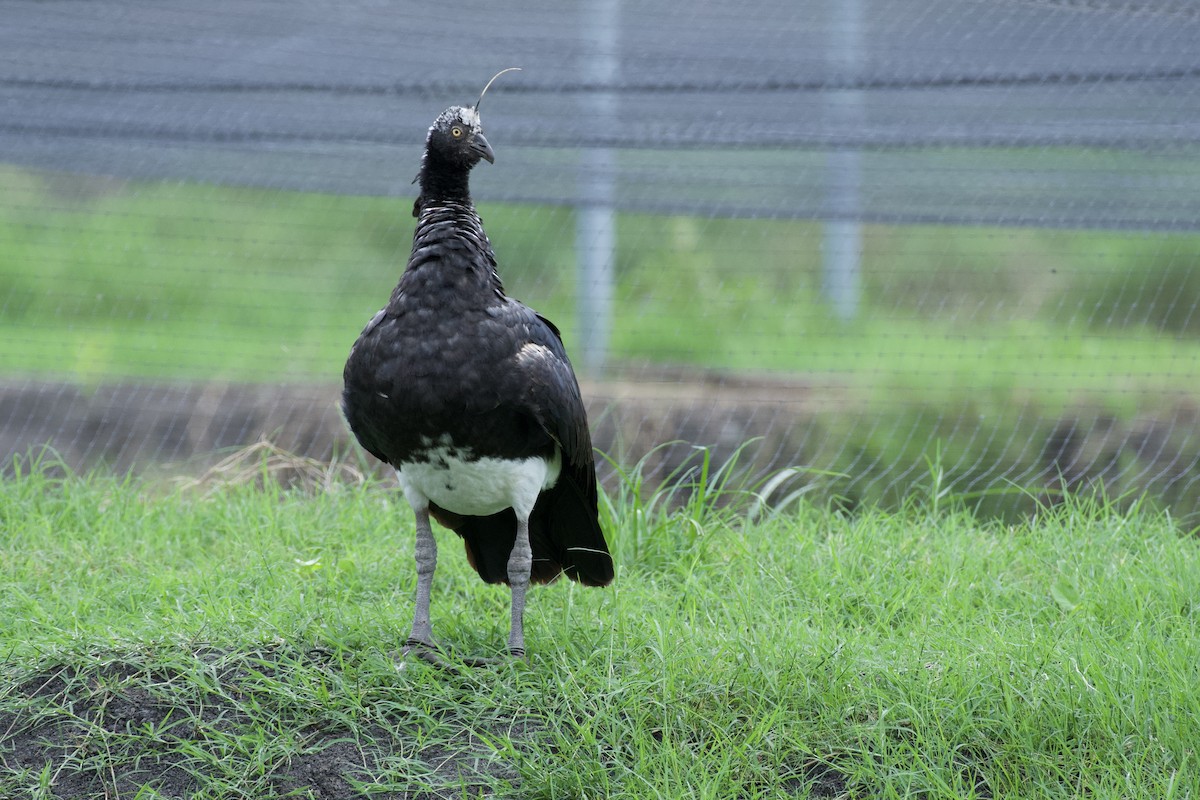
(426, 553)
(520, 564)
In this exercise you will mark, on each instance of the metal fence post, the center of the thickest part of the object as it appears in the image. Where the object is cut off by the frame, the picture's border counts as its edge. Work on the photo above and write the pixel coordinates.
(841, 245)
(596, 219)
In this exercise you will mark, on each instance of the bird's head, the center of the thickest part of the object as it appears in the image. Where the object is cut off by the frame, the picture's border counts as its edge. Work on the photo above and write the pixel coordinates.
(456, 138)
(454, 145)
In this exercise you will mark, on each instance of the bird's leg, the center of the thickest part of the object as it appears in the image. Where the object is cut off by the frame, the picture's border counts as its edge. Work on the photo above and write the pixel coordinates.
(426, 554)
(520, 564)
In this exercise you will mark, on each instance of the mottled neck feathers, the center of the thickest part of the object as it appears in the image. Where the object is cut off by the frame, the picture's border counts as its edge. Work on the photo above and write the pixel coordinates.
(450, 247)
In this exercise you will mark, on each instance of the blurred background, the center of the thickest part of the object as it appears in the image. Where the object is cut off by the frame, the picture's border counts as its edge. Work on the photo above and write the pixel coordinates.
(940, 248)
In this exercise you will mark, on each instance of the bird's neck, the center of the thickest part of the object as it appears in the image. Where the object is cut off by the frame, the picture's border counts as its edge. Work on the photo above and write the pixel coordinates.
(440, 220)
(442, 182)
(450, 247)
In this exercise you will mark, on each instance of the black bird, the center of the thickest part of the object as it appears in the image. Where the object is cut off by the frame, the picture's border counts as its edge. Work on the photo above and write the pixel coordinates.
(470, 396)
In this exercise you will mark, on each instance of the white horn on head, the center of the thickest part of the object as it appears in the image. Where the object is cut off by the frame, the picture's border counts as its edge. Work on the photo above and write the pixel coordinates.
(489, 85)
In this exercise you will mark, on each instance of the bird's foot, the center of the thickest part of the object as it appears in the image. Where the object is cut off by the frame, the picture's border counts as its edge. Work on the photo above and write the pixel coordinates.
(428, 652)
(447, 660)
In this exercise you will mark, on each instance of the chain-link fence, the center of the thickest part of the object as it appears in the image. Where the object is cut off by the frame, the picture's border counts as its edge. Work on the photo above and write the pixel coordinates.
(907, 246)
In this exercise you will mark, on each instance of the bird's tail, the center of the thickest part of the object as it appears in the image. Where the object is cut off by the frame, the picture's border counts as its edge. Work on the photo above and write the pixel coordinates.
(566, 521)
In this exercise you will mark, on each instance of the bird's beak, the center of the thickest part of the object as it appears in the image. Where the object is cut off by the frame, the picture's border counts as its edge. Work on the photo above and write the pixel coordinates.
(480, 145)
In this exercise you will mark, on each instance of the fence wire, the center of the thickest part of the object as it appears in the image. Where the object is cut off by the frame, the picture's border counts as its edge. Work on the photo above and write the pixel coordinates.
(871, 236)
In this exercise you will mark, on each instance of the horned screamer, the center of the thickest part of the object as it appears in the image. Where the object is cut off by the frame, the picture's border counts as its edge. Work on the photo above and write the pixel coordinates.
(470, 396)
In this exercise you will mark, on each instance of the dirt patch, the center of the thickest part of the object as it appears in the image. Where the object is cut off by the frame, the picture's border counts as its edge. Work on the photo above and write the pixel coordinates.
(131, 426)
(1012, 462)
(186, 429)
(234, 722)
(818, 782)
(217, 723)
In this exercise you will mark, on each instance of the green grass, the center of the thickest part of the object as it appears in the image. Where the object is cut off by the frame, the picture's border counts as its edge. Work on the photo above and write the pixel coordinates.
(236, 641)
(981, 341)
(101, 280)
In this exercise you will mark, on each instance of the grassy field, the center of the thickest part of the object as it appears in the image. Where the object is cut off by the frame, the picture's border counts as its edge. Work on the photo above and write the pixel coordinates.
(105, 279)
(233, 641)
(980, 342)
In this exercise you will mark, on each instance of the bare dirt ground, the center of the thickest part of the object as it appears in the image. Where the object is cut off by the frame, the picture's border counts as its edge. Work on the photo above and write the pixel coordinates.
(117, 727)
(184, 428)
(657, 416)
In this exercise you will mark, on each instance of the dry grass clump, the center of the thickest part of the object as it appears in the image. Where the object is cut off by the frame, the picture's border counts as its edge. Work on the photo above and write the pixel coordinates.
(265, 463)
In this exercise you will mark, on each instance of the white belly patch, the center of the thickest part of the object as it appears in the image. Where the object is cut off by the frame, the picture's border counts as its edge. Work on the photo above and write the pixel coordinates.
(480, 486)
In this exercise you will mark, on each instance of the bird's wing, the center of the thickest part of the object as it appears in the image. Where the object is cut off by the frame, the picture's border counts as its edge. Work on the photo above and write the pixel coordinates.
(548, 387)
(553, 391)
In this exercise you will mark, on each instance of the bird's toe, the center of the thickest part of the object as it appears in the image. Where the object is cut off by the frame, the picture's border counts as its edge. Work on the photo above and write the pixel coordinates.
(428, 652)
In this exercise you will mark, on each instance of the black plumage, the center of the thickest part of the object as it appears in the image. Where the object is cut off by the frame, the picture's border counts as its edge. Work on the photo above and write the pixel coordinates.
(471, 397)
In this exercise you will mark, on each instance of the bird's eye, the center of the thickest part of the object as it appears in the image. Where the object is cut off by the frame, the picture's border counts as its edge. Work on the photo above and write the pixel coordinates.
(456, 132)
